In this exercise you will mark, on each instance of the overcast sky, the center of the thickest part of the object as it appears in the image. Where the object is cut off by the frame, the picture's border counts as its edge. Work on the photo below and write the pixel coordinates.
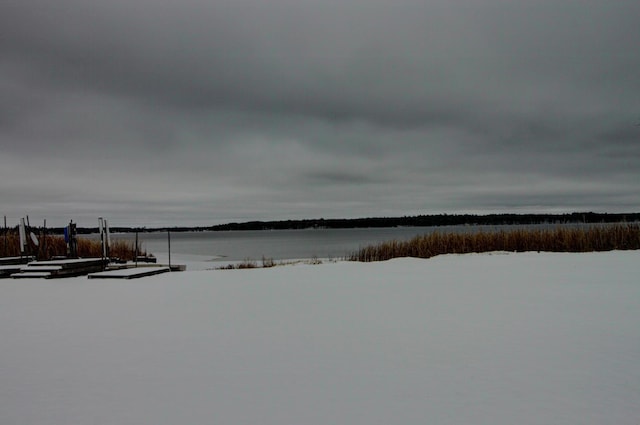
(200, 112)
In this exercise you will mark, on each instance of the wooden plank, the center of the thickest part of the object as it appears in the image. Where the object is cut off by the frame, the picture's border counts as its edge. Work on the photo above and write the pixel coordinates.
(74, 262)
(130, 273)
(26, 275)
(64, 268)
(7, 271)
(15, 260)
(16, 267)
(30, 268)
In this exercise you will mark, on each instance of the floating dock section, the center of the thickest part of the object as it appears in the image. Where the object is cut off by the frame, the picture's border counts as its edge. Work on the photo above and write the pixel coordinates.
(11, 265)
(10, 261)
(129, 273)
(9, 269)
(94, 268)
(60, 268)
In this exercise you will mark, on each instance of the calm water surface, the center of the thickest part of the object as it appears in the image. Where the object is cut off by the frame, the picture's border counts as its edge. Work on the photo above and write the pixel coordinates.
(286, 244)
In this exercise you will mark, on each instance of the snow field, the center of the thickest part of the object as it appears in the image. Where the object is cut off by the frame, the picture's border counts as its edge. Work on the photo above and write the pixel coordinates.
(475, 339)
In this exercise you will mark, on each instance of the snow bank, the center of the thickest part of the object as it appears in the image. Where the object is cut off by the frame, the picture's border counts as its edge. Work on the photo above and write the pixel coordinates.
(476, 339)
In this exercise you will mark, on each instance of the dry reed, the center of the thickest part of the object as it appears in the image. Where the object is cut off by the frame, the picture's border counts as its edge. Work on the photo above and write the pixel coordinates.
(607, 238)
(55, 246)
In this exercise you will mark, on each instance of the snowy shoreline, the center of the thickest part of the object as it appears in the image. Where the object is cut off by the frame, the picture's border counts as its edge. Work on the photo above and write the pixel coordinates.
(530, 338)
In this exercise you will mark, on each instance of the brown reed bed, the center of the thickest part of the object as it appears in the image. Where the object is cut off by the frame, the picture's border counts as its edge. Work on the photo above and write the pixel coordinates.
(54, 246)
(605, 238)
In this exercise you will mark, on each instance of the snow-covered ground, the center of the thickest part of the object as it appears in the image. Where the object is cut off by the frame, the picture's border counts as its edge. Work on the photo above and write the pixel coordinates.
(476, 339)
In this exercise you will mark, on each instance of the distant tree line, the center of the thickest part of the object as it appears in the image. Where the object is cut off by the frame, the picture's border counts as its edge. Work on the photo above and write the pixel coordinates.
(430, 221)
(376, 222)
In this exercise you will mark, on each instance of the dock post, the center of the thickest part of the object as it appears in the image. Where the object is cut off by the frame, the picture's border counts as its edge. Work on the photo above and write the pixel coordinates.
(136, 249)
(43, 245)
(169, 247)
(108, 238)
(104, 238)
(23, 237)
(101, 231)
(72, 240)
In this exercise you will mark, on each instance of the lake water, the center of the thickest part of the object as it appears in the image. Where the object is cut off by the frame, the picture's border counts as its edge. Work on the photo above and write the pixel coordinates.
(285, 244)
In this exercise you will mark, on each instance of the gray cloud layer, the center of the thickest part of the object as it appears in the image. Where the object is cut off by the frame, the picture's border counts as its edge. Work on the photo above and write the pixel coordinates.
(155, 112)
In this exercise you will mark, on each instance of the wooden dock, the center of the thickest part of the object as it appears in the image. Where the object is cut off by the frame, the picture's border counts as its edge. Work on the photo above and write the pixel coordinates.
(11, 261)
(129, 273)
(60, 268)
(9, 269)
(11, 265)
(95, 268)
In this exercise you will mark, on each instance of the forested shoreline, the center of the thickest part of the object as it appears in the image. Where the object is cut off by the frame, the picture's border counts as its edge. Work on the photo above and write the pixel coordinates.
(377, 222)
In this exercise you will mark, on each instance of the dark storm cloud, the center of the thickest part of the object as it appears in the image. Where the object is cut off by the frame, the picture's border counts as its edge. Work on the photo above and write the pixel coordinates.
(201, 111)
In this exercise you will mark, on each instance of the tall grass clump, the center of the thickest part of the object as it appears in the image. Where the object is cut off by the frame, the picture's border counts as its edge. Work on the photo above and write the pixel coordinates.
(55, 246)
(123, 250)
(614, 237)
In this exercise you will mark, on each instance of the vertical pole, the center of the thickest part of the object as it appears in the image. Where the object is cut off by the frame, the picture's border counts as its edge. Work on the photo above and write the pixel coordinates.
(67, 238)
(74, 233)
(107, 239)
(73, 241)
(44, 241)
(136, 249)
(23, 237)
(5, 236)
(101, 231)
(169, 246)
(27, 245)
